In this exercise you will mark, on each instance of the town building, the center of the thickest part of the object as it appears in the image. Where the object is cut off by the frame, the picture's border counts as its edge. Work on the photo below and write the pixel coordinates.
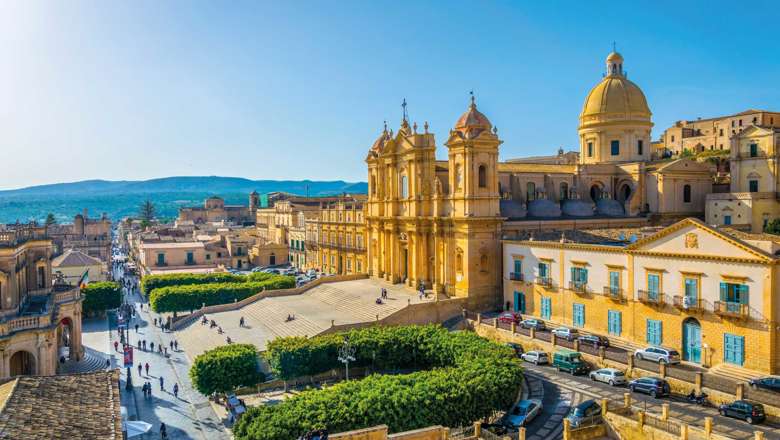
(214, 210)
(709, 293)
(73, 406)
(712, 133)
(342, 235)
(77, 267)
(754, 196)
(87, 235)
(439, 223)
(40, 313)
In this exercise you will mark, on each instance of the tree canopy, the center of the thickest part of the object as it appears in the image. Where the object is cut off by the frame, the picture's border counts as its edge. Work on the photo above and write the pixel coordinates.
(226, 368)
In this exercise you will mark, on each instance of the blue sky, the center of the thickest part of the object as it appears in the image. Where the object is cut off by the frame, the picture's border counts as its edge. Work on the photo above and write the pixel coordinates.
(298, 89)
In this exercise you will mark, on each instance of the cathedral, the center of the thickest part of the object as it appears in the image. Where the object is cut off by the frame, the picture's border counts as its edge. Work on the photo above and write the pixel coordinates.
(439, 224)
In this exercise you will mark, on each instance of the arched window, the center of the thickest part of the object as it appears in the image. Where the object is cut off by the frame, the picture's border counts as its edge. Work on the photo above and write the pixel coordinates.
(564, 191)
(530, 192)
(687, 194)
(458, 176)
(404, 186)
(482, 177)
(459, 262)
(373, 184)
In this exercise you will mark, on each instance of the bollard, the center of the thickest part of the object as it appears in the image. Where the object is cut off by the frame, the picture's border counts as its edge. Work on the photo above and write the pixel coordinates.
(446, 434)
(566, 429)
(665, 412)
(697, 382)
(521, 433)
(683, 431)
(627, 400)
(477, 429)
(495, 323)
(758, 435)
(707, 426)
(514, 327)
(576, 345)
(662, 369)
(479, 318)
(640, 417)
(602, 353)
(604, 406)
(629, 363)
(740, 391)
(552, 339)
(533, 333)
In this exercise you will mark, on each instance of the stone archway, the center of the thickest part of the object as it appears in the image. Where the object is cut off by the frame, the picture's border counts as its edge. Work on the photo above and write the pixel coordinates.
(64, 338)
(596, 191)
(22, 363)
(624, 193)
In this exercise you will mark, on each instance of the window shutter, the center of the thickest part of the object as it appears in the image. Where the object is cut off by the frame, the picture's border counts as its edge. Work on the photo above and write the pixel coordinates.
(574, 274)
(724, 291)
(584, 279)
(743, 294)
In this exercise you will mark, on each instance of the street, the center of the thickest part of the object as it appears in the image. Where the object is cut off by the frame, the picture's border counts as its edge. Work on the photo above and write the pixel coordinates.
(561, 390)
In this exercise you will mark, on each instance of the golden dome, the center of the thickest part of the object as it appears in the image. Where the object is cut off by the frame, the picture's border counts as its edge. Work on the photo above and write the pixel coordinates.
(472, 122)
(616, 95)
(614, 57)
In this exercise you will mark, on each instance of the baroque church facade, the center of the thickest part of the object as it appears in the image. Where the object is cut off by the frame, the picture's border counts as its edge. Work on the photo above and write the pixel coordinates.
(440, 223)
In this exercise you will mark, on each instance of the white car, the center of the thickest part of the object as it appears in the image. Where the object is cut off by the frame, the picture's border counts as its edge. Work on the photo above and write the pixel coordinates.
(658, 354)
(611, 376)
(523, 412)
(536, 357)
(569, 334)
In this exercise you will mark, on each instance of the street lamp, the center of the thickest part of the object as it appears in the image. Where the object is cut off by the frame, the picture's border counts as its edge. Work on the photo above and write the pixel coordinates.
(346, 355)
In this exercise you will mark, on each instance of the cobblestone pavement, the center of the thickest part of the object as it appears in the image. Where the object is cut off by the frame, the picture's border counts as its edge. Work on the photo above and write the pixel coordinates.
(188, 416)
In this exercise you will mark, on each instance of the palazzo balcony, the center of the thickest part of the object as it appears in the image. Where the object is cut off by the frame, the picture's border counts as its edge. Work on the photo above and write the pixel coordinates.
(578, 288)
(38, 309)
(545, 282)
(516, 276)
(728, 309)
(614, 294)
(687, 303)
(652, 298)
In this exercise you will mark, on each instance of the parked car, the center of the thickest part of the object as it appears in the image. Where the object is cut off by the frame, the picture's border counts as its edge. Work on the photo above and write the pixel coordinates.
(509, 318)
(532, 323)
(516, 347)
(611, 376)
(495, 428)
(595, 340)
(770, 383)
(523, 413)
(311, 273)
(571, 361)
(742, 409)
(536, 357)
(566, 333)
(585, 414)
(653, 386)
(658, 354)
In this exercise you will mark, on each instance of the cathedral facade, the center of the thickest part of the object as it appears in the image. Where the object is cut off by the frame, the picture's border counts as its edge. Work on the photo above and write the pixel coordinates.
(439, 224)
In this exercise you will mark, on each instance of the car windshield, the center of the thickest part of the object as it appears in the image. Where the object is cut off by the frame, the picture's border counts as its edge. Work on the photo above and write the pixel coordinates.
(519, 411)
(674, 353)
(575, 357)
(619, 373)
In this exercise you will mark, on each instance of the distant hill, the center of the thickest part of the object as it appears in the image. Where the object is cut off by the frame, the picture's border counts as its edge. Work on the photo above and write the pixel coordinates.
(122, 198)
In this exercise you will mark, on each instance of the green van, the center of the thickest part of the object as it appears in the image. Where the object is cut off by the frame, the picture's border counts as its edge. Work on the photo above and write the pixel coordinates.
(570, 361)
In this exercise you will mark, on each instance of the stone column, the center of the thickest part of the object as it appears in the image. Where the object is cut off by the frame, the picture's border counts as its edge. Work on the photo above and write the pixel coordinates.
(697, 382)
(424, 257)
(665, 411)
(627, 400)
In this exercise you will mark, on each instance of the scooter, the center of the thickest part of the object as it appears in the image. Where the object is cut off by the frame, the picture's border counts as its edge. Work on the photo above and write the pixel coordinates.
(701, 399)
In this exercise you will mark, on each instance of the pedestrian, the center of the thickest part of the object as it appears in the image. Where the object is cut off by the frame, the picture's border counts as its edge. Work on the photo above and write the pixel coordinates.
(155, 322)
(171, 344)
(163, 431)
(176, 390)
(176, 345)
(140, 367)
(151, 344)
(144, 344)
(166, 351)
(159, 348)
(116, 346)
(143, 389)
(108, 363)
(136, 326)
(162, 384)
(149, 388)
(241, 322)
(139, 344)
(147, 368)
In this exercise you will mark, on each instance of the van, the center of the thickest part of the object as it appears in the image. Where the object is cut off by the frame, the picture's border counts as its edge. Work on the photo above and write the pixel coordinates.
(570, 361)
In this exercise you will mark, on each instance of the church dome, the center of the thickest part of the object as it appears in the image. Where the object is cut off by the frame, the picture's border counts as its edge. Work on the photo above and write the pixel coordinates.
(472, 122)
(615, 96)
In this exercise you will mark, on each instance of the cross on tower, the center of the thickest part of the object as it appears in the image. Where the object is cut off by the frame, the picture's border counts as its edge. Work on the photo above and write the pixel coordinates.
(473, 100)
(403, 105)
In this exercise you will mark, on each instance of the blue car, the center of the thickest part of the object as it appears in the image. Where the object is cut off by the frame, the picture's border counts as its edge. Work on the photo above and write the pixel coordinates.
(523, 412)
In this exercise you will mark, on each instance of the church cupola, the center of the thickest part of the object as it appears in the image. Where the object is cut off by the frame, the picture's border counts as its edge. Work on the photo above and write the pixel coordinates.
(614, 64)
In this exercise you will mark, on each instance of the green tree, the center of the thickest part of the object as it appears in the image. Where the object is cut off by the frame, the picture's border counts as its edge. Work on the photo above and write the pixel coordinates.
(226, 368)
(773, 227)
(101, 296)
(50, 219)
(147, 211)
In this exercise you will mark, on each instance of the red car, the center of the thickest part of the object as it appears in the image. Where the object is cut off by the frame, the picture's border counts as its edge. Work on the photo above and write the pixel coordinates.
(509, 317)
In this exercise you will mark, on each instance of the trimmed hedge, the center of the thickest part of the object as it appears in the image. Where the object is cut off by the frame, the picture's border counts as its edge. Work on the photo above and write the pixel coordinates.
(469, 378)
(191, 297)
(226, 368)
(151, 282)
(101, 296)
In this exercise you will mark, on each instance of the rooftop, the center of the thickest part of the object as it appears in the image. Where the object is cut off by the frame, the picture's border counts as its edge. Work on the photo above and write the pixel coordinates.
(76, 406)
(612, 237)
(75, 258)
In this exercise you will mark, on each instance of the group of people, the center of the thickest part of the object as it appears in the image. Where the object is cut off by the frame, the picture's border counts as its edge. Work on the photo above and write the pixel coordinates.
(213, 324)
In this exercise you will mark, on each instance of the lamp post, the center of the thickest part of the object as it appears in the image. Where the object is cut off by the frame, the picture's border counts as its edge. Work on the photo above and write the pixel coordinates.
(346, 355)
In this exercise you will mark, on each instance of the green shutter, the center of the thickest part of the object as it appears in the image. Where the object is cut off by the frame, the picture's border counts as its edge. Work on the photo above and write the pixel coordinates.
(574, 275)
(724, 291)
(743, 294)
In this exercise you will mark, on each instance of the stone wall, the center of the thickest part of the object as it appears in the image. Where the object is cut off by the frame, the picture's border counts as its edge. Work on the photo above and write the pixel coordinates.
(380, 433)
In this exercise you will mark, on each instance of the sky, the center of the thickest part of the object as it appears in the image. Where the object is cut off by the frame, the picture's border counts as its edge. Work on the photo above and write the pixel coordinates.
(300, 89)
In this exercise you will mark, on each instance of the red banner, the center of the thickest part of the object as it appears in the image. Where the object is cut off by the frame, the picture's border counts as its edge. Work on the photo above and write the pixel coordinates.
(128, 355)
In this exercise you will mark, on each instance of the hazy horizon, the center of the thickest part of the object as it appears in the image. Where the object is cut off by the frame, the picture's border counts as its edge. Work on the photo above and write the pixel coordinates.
(300, 90)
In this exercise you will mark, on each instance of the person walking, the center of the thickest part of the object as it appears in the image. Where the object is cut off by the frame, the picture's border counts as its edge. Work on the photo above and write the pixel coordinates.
(241, 322)
(171, 344)
(147, 368)
(176, 345)
(136, 326)
(144, 344)
(176, 390)
(140, 368)
(108, 363)
(116, 346)
(163, 431)
(162, 384)
(151, 344)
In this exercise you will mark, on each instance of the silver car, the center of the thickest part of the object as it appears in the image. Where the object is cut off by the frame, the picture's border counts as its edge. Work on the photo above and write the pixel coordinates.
(535, 357)
(611, 376)
(658, 354)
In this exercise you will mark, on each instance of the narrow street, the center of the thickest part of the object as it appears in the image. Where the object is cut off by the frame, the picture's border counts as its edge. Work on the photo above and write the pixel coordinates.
(567, 390)
(188, 416)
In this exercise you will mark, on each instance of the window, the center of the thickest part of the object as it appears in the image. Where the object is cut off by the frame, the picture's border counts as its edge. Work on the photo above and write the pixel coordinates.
(482, 176)
(579, 276)
(614, 282)
(691, 289)
(459, 262)
(672, 138)
(219, 254)
(349, 265)
(726, 220)
(654, 332)
(404, 187)
(732, 123)
(359, 266)
(614, 322)
(732, 293)
(733, 349)
(720, 132)
(640, 147)
(687, 194)
(518, 266)
(160, 259)
(208, 256)
(564, 191)
(373, 184)
(578, 315)
(519, 305)
(653, 285)
(546, 307)
(543, 270)
(753, 150)
(530, 190)
(190, 258)
(753, 185)
(740, 122)
(590, 149)
(615, 148)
